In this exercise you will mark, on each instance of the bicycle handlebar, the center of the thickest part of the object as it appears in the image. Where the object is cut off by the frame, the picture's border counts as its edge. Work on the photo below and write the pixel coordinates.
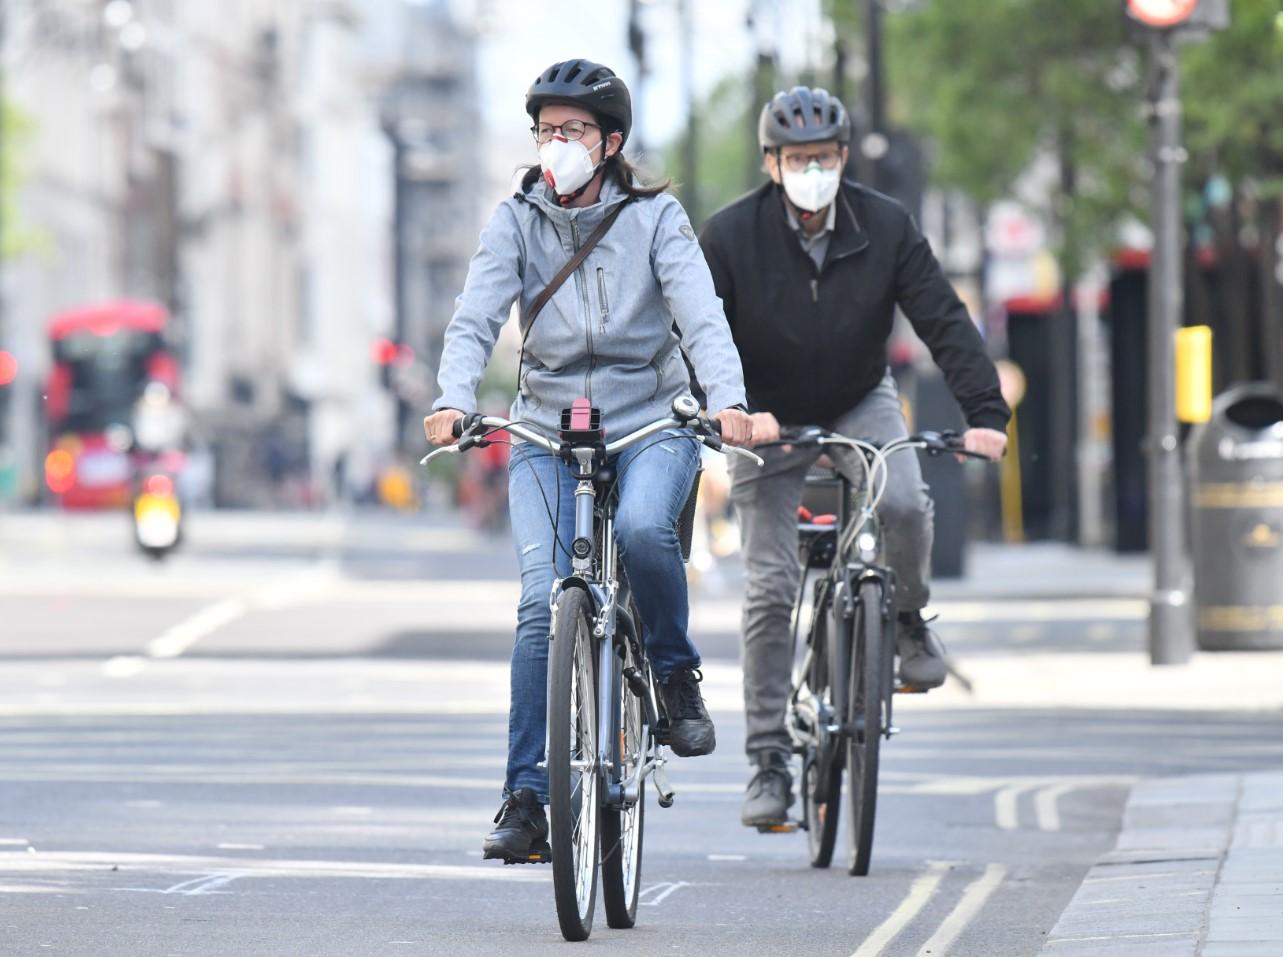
(933, 443)
(467, 429)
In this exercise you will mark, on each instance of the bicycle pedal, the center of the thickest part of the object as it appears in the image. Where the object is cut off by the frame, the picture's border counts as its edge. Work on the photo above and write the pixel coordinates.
(911, 689)
(787, 827)
(663, 790)
(537, 855)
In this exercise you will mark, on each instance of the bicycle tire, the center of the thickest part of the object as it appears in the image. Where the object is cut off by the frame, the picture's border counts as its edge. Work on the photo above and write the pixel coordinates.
(573, 798)
(821, 781)
(622, 829)
(867, 691)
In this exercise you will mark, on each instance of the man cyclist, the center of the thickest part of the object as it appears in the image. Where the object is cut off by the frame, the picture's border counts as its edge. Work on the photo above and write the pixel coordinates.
(810, 269)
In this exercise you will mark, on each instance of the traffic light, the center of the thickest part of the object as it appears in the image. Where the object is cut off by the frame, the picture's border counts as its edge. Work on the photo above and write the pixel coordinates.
(1192, 16)
(8, 373)
(389, 355)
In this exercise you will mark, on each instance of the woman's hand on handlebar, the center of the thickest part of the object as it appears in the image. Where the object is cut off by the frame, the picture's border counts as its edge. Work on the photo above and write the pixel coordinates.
(987, 442)
(737, 426)
(439, 427)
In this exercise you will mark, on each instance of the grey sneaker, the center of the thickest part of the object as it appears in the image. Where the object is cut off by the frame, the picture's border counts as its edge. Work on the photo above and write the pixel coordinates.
(921, 661)
(769, 794)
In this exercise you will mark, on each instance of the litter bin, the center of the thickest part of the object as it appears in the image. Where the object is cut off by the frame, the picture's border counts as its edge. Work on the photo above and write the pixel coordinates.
(1236, 462)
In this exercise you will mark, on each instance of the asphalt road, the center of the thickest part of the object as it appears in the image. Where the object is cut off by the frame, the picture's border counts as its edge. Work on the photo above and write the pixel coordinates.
(289, 740)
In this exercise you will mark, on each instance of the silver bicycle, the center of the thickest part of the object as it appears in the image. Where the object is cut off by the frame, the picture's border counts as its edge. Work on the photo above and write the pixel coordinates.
(606, 732)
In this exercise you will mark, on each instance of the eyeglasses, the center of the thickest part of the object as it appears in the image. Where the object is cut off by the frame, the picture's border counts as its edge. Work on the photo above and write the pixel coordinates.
(828, 159)
(571, 130)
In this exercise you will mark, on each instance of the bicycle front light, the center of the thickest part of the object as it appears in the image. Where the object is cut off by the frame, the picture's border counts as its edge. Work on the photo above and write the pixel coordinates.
(866, 545)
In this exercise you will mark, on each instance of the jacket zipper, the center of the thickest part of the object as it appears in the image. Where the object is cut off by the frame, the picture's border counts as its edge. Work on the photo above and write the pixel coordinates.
(601, 295)
(582, 282)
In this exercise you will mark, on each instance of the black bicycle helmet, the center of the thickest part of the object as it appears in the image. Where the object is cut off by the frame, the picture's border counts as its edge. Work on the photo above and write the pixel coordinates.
(803, 115)
(585, 84)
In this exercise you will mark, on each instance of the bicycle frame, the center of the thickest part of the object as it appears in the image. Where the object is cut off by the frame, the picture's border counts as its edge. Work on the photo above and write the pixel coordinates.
(595, 568)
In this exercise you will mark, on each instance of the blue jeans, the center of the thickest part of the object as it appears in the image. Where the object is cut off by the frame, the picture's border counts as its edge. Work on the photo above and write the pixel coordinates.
(654, 479)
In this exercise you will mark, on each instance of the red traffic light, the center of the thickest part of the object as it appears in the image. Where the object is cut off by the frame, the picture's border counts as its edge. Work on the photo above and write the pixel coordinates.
(1161, 13)
(385, 352)
(8, 368)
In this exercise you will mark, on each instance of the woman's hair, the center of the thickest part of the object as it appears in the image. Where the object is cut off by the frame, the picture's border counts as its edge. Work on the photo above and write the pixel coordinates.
(617, 168)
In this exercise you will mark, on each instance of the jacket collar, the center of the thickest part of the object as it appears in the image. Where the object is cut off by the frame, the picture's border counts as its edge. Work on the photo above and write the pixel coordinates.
(848, 235)
(543, 198)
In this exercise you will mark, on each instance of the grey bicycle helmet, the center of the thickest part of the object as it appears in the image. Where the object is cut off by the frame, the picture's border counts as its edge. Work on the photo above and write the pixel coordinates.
(585, 84)
(802, 115)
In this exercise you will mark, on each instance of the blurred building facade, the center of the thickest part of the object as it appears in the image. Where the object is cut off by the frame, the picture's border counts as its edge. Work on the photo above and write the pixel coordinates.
(232, 161)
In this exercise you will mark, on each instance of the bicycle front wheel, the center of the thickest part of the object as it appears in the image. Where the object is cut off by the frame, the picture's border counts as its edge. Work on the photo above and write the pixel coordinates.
(868, 691)
(621, 828)
(821, 775)
(572, 764)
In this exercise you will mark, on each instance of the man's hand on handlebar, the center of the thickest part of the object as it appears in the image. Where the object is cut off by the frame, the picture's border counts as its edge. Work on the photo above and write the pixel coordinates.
(439, 426)
(737, 426)
(766, 428)
(987, 442)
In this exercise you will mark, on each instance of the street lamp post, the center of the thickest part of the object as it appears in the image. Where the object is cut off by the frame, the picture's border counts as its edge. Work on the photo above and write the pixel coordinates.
(1171, 638)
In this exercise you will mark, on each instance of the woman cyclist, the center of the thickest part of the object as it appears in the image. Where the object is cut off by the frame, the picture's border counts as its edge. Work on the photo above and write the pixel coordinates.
(605, 334)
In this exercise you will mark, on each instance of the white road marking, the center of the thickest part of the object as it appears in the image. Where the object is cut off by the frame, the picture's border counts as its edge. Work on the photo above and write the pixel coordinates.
(97, 861)
(208, 884)
(1006, 806)
(182, 636)
(241, 847)
(1062, 609)
(973, 900)
(13, 842)
(728, 857)
(920, 892)
(123, 666)
(1046, 806)
(664, 888)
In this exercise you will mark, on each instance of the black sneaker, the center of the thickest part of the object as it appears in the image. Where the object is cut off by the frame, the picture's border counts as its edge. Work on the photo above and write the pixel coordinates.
(690, 729)
(769, 794)
(921, 661)
(522, 833)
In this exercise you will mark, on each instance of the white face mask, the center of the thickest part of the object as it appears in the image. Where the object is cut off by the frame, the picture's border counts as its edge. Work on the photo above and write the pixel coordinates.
(813, 188)
(566, 165)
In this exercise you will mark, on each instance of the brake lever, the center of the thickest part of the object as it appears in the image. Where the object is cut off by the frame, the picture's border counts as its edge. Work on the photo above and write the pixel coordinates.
(444, 450)
(751, 456)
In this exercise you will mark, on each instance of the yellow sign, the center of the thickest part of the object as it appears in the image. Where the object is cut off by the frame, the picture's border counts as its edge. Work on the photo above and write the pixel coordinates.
(1194, 374)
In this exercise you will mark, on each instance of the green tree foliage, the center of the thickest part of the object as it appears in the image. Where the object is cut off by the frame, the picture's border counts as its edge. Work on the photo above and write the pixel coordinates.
(16, 129)
(1233, 97)
(727, 160)
(995, 84)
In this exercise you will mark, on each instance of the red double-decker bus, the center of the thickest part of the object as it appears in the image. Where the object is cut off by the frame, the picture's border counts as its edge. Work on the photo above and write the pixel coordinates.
(104, 356)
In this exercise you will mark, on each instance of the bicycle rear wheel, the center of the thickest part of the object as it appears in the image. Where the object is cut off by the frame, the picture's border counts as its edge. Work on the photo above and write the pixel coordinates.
(622, 828)
(821, 782)
(868, 689)
(572, 764)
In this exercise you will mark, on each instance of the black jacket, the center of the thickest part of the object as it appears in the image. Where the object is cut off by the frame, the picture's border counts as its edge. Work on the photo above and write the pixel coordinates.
(813, 342)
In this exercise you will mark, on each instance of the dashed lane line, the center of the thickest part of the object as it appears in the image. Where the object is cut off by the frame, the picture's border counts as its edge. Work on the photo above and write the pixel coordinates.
(969, 906)
(1006, 806)
(920, 893)
(182, 636)
(1047, 806)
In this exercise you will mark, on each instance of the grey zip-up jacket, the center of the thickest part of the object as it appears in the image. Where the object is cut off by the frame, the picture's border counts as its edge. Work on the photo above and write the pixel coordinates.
(607, 333)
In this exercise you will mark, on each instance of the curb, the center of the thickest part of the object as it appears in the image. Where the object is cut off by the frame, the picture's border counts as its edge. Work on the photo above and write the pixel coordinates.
(1197, 869)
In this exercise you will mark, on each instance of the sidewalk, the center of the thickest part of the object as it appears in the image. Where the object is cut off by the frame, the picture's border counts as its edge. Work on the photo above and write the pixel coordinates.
(1198, 870)
(1046, 570)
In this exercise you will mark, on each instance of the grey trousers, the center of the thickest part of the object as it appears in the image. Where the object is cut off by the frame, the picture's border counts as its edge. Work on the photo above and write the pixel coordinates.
(766, 501)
